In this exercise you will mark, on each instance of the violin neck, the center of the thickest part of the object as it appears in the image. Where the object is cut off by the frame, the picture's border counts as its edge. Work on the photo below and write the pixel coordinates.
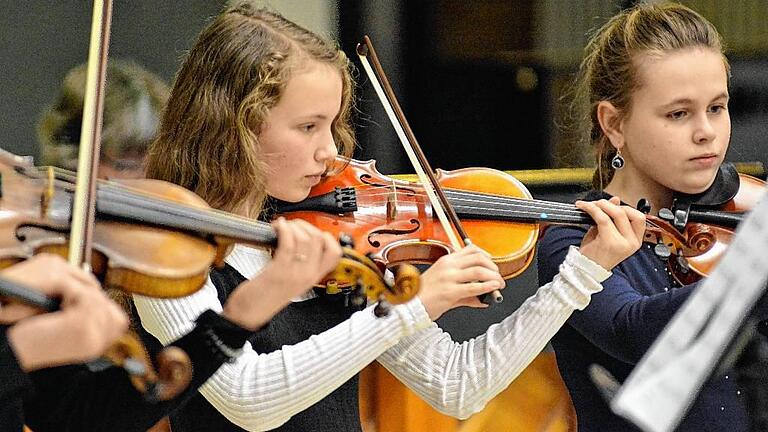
(122, 204)
(474, 205)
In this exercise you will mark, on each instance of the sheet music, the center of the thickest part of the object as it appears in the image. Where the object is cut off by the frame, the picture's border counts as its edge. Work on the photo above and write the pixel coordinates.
(666, 381)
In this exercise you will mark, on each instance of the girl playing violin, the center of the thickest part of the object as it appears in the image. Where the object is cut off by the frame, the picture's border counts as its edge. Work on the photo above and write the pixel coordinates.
(39, 389)
(654, 89)
(260, 108)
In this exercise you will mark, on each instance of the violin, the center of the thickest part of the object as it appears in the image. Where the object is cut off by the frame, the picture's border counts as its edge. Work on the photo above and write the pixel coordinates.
(152, 237)
(392, 220)
(707, 222)
(156, 239)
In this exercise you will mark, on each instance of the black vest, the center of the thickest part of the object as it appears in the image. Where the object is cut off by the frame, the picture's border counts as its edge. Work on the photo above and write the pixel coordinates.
(337, 412)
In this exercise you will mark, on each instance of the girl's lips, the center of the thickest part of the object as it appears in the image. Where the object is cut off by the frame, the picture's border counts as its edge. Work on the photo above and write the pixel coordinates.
(705, 161)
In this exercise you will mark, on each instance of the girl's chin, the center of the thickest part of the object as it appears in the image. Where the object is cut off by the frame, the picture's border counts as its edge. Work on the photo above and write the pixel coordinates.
(292, 196)
(696, 186)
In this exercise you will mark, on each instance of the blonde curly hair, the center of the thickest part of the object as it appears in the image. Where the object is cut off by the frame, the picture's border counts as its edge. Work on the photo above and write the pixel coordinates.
(234, 74)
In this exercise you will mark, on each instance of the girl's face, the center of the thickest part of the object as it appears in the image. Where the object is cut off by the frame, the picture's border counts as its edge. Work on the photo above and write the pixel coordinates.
(296, 138)
(678, 127)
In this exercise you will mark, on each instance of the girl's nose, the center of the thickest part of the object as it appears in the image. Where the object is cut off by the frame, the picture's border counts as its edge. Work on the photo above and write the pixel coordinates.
(705, 131)
(327, 150)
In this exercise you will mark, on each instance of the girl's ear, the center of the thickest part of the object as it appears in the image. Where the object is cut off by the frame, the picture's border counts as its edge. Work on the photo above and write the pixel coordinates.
(610, 122)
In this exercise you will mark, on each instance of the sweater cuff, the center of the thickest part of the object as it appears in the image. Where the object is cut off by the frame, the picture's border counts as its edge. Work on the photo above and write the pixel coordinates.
(586, 265)
(229, 332)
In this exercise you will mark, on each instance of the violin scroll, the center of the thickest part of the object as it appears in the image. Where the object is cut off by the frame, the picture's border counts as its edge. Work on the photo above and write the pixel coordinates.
(360, 276)
(174, 368)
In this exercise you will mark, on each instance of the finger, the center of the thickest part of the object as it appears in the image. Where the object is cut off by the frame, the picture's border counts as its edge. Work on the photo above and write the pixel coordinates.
(331, 253)
(87, 279)
(73, 292)
(472, 289)
(472, 302)
(10, 313)
(286, 244)
(619, 217)
(603, 222)
(637, 220)
(474, 259)
(474, 249)
(57, 266)
(479, 274)
(308, 244)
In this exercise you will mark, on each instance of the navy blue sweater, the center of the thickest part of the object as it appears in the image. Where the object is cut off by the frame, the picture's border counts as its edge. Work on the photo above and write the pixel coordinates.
(617, 328)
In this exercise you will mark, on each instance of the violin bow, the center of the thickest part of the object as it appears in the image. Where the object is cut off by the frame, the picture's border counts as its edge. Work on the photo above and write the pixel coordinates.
(440, 205)
(127, 352)
(84, 207)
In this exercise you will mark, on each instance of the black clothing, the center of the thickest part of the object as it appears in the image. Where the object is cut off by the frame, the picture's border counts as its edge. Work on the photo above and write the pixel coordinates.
(14, 385)
(337, 412)
(75, 398)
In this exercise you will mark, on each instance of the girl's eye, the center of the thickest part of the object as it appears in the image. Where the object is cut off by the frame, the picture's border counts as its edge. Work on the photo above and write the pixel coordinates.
(717, 109)
(677, 115)
(309, 127)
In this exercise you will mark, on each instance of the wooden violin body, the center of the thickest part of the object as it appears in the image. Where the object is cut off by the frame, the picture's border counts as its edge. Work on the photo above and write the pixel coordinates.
(394, 220)
(135, 258)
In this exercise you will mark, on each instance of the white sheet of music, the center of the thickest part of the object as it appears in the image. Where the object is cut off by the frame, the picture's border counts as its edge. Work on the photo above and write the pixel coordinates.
(666, 381)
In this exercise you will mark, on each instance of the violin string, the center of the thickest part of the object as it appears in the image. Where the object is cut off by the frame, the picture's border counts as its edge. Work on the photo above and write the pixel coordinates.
(212, 215)
(139, 198)
(146, 200)
(473, 195)
(491, 199)
(508, 205)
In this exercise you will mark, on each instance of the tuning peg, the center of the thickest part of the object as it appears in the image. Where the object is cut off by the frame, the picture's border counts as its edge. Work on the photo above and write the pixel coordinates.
(644, 205)
(682, 262)
(666, 214)
(345, 240)
(381, 309)
(357, 296)
(662, 251)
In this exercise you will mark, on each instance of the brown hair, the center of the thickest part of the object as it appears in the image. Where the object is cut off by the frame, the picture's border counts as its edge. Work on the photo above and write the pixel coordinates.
(608, 71)
(133, 101)
(234, 74)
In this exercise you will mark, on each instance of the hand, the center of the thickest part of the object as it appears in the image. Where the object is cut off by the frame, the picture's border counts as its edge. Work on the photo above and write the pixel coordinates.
(457, 279)
(304, 255)
(617, 235)
(87, 323)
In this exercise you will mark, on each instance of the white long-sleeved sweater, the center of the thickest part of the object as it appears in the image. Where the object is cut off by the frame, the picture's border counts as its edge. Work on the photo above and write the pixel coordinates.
(262, 391)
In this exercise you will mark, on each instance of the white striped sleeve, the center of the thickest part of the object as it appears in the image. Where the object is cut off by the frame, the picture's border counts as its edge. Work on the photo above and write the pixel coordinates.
(458, 379)
(262, 391)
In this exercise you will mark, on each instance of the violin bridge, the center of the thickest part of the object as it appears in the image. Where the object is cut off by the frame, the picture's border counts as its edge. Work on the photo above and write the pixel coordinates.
(392, 203)
(47, 197)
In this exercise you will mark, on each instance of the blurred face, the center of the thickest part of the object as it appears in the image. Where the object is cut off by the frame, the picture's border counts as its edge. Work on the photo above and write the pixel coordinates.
(127, 166)
(296, 139)
(678, 128)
